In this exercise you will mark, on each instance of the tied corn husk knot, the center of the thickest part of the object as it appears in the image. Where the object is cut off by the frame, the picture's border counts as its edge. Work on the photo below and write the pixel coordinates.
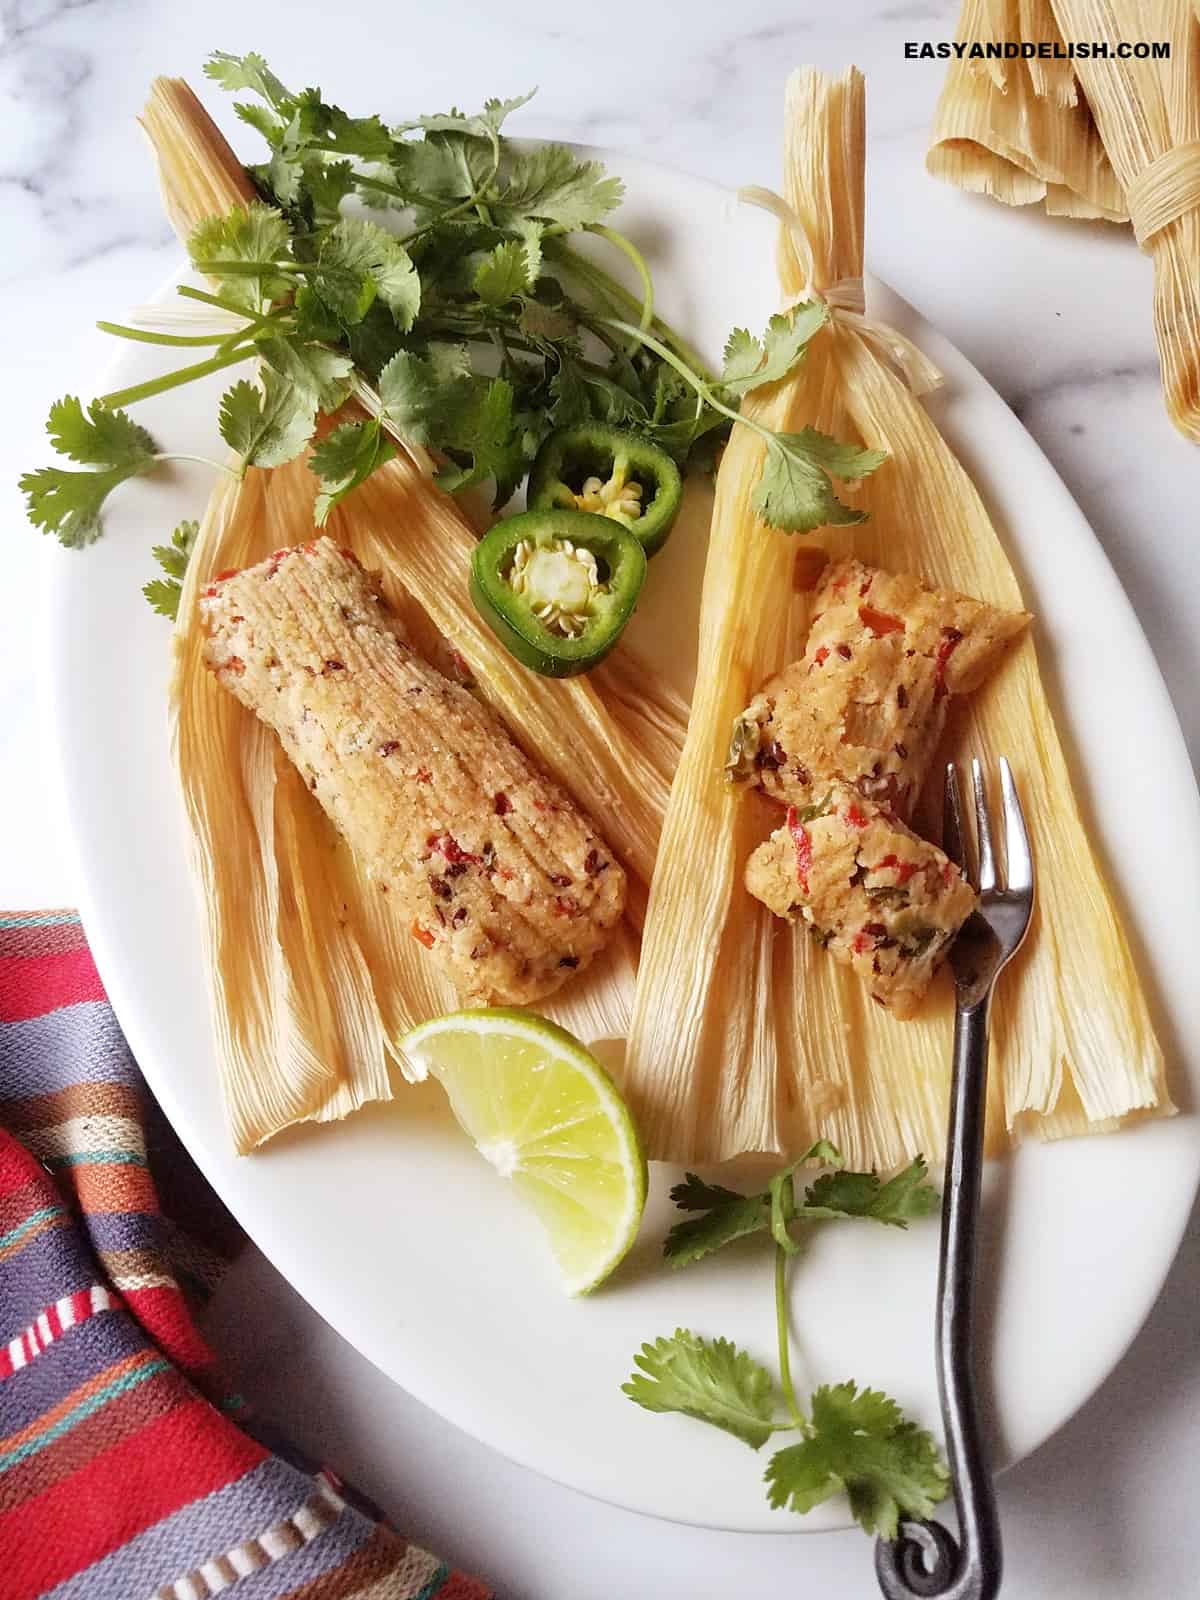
(1167, 190)
(846, 298)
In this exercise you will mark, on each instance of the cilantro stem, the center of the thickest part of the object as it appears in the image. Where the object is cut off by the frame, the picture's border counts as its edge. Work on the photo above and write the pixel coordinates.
(697, 383)
(253, 269)
(218, 300)
(445, 216)
(631, 250)
(781, 1327)
(175, 380)
(692, 379)
(364, 181)
(148, 336)
(202, 461)
(254, 327)
(619, 297)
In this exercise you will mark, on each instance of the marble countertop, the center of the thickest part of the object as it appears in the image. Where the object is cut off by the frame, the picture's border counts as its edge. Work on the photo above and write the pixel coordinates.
(1056, 314)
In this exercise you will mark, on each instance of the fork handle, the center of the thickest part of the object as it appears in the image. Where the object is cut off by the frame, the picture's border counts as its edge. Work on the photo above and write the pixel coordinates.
(926, 1560)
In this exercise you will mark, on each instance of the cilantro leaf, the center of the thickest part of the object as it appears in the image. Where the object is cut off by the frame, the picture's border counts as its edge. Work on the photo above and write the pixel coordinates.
(242, 250)
(503, 273)
(726, 1216)
(750, 362)
(359, 260)
(694, 1194)
(322, 374)
(795, 492)
(267, 425)
(860, 1194)
(164, 593)
(531, 242)
(344, 459)
(326, 184)
(425, 395)
(486, 125)
(568, 395)
(110, 444)
(547, 325)
(699, 1236)
(245, 72)
(316, 121)
(99, 437)
(489, 433)
(549, 185)
(440, 167)
(262, 120)
(860, 1442)
(709, 1379)
(69, 503)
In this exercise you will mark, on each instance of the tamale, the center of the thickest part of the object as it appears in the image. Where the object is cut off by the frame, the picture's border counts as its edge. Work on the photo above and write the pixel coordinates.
(312, 981)
(1016, 129)
(1129, 147)
(747, 1039)
(1148, 115)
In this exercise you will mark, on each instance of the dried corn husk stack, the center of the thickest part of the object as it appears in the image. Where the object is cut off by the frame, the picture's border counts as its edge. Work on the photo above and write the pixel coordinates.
(312, 980)
(1020, 130)
(745, 1035)
(1146, 115)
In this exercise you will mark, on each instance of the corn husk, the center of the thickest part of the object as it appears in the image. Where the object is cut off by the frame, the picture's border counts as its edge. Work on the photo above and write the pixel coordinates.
(312, 980)
(745, 1036)
(1020, 130)
(1128, 147)
(1145, 111)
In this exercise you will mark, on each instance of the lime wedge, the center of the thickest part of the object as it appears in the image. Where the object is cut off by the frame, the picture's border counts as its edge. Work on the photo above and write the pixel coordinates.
(549, 1118)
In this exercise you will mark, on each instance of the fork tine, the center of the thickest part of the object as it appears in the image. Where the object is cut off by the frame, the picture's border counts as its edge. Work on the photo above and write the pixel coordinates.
(953, 837)
(983, 831)
(1017, 854)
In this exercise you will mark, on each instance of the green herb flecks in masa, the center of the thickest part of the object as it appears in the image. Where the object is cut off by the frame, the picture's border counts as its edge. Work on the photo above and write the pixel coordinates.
(853, 1441)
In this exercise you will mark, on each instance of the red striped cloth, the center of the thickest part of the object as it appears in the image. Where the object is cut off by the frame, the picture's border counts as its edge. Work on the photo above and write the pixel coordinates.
(123, 1472)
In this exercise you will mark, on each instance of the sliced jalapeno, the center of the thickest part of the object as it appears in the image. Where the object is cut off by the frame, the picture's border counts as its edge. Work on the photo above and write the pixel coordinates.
(610, 471)
(557, 587)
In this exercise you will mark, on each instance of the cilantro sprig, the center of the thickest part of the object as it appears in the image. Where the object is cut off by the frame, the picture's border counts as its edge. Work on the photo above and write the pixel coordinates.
(851, 1441)
(163, 593)
(435, 268)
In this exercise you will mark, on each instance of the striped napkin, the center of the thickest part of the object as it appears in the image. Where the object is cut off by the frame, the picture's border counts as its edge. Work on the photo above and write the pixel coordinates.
(127, 1469)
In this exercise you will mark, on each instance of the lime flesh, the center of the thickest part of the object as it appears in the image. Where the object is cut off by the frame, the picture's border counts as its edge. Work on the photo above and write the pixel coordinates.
(549, 1118)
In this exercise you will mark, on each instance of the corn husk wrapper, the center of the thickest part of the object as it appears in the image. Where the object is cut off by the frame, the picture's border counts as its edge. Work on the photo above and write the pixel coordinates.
(1148, 115)
(1019, 130)
(312, 979)
(1127, 147)
(745, 1036)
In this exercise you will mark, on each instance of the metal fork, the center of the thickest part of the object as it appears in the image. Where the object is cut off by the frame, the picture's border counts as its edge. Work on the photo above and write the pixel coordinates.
(926, 1560)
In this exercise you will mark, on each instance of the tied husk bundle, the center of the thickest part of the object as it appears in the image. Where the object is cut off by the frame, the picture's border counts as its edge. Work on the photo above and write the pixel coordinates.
(1020, 130)
(745, 1035)
(1096, 137)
